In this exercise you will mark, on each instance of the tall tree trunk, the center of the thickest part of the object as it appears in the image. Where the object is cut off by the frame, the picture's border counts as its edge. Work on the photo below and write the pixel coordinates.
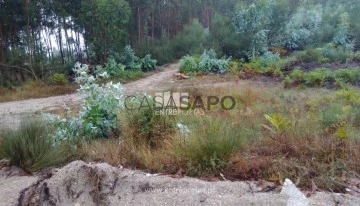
(66, 38)
(153, 20)
(60, 41)
(2, 42)
(139, 28)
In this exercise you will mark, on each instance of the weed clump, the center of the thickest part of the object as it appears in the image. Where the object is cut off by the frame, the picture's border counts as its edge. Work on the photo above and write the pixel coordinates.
(31, 148)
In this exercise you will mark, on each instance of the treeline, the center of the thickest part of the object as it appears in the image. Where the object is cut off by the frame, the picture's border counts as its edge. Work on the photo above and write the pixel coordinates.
(38, 37)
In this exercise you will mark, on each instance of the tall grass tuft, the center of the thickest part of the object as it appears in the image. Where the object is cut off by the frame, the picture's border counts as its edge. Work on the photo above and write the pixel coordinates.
(210, 145)
(30, 148)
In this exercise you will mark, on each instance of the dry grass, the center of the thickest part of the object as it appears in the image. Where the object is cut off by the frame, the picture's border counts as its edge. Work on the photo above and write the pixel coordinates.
(32, 90)
(308, 149)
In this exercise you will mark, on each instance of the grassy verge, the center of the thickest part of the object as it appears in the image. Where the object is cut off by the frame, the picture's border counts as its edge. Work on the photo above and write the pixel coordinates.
(307, 135)
(31, 148)
(33, 89)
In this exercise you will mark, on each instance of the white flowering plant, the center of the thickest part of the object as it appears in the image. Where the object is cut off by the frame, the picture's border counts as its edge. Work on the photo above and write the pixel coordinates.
(97, 117)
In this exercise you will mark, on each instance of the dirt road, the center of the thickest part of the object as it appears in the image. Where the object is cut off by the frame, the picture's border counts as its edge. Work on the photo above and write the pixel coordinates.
(11, 113)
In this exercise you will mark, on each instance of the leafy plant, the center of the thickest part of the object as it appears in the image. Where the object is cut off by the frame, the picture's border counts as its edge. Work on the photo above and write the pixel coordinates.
(97, 116)
(281, 124)
(58, 79)
(233, 67)
(112, 67)
(148, 64)
(145, 126)
(188, 65)
(31, 148)
(210, 63)
(342, 37)
(349, 76)
(129, 59)
(317, 77)
(302, 27)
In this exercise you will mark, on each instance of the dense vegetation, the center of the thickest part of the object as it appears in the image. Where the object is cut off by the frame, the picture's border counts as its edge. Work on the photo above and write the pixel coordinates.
(273, 133)
(41, 38)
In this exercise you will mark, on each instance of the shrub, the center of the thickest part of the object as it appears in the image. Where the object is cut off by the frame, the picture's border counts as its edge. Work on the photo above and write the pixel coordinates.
(233, 67)
(210, 63)
(334, 54)
(317, 77)
(297, 76)
(144, 126)
(210, 145)
(269, 58)
(349, 76)
(31, 148)
(58, 79)
(148, 64)
(332, 115)
(129, 59)
(309, 55)
(112, 67)
(188, 65)
(98, 114)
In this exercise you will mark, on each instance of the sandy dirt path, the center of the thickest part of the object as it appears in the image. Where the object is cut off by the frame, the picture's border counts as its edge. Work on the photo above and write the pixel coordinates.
(11, 113)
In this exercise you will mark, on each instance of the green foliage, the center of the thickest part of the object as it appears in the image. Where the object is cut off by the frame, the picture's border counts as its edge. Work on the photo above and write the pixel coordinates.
(209, 63)
(280, 123)
(297, 76)
(129, 59)
(58, 79)
(192, 40)
(148, 64)
(113, 68)
(188, 65)
(210, 145)
(317, 77)
(334, 54)
(268, 58)
(342, 37)
(145, 125)
(348, 76)
(309, 55)
(233, 67)
(302, 27)
(332, 115)
(254, 21)
(31, 148)
(98, 112)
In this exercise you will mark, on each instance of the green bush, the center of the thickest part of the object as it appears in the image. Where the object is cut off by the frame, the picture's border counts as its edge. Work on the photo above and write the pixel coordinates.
(233, 67)
(148, 64)
(144, 125)
(113, 68)
(188, 65)
(58, 79)
(334, 54)
(317, 77)
(210, 63)
(297, 76)
(209, 146)
(129, 59)
(332, 115)
(268, 58)
(348, 76)
(309, 55)
(31, 148)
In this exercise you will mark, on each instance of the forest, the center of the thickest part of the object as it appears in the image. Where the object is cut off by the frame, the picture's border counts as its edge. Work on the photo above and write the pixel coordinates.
(40, 38)
(291, 68)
